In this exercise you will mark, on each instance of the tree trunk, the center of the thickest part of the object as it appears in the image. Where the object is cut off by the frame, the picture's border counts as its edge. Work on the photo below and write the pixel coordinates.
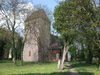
(98, 63)
(13, 45)
(22, 57)
(61, 62)
(90, 56)
(23, 43)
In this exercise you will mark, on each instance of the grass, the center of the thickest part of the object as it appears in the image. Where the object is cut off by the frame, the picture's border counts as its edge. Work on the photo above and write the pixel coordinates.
(86, 69)
(8, 68)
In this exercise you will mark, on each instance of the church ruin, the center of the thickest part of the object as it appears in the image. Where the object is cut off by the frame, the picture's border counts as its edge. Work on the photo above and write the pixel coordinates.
(37, 37)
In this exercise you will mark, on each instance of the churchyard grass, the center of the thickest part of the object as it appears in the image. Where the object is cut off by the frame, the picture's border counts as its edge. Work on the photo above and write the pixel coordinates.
(85, 68)
(8, 68)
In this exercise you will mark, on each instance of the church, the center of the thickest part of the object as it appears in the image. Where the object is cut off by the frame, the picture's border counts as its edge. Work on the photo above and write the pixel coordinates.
(37, 37)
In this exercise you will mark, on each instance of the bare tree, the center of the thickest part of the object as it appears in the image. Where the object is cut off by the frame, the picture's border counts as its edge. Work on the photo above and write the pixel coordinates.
(11, 11)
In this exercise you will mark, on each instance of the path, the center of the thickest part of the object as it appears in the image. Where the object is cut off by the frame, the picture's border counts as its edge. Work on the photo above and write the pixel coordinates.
(72, 70)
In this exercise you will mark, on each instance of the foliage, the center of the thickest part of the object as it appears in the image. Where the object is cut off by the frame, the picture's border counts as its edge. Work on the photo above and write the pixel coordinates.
(73, 53)
(11, 11)
(5, 42)
(77, 22)
(19, 47)
(63, 23)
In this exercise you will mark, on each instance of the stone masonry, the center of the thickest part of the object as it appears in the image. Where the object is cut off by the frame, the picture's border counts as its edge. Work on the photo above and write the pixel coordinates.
(37, 37)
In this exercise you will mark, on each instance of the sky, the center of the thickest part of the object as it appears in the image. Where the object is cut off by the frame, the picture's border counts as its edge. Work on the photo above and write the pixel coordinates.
(49, 3)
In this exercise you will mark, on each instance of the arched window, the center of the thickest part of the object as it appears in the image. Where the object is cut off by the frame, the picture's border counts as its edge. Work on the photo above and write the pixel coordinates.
(29, 53)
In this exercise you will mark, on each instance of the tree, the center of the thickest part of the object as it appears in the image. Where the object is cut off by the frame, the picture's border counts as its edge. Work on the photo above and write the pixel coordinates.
(72, 16)
(90, 31)
(5, 43)
(11, 11)
(64, 26)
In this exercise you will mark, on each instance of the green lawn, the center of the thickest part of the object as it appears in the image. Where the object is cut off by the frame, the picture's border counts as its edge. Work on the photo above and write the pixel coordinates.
(86, 69)
(8, 68)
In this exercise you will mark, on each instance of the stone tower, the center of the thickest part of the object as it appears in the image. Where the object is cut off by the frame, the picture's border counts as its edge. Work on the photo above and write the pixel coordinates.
(37, 37)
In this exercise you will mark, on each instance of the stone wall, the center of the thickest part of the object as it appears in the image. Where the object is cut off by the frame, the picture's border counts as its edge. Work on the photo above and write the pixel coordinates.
(38, 38)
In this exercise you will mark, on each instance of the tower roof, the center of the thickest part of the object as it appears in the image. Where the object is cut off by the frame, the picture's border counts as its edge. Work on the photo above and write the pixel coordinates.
(38, 14)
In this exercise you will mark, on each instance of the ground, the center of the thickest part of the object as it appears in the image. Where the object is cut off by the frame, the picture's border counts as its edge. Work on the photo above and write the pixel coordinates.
(86, 69)
(8, 68)
(49, 68)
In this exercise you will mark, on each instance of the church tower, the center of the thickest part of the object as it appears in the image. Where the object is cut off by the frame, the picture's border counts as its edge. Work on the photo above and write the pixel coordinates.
(37, 37)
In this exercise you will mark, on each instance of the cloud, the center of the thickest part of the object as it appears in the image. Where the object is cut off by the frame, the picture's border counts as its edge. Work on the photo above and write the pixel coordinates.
(27, 6)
